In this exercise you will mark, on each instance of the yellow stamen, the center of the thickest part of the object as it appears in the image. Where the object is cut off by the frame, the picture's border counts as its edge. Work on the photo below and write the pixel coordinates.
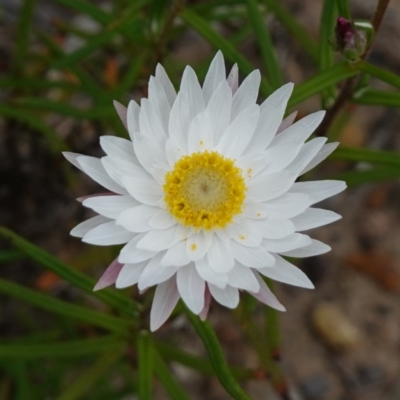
(204, 190)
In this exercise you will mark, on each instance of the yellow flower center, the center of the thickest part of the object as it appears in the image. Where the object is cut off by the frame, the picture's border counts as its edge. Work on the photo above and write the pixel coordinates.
(204, 190)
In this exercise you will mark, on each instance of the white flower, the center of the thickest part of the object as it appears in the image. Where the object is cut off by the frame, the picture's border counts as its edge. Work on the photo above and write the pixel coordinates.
(204, 195)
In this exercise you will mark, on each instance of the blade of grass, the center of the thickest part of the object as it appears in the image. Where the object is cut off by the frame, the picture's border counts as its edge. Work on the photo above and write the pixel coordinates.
(367, 155)
(172, 386)
(219, 42)
(55, 143)
(379, 73)
(214, 351)
(29, 84)
(63, 308)
(325, 51)
(321, 81)
(344, 9)
(378, 98)
(299, 33)
(265, 45)
(74, 348)
(71, 275)
(7, 256)
(92, 375)
(145, 365)
(355, 178)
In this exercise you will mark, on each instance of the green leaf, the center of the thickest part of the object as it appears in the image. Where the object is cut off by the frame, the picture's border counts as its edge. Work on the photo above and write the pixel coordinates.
(172, 386)
(219, 42)
(379, 73)
(344, 9)
(265, 44)
(75, 348)
(367, 155)
(378, 98)
(92, 375)
(214, 351)
(145, 365)
(326, 33)
(321, 81)
(71, 275)
(55, 143)
(7, 256)
(31, 83)
(23, 32)
(300, 34)
(355, 178)
(63, 308)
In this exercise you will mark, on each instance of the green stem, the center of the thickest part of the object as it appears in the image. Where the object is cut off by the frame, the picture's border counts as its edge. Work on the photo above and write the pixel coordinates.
(145, 365)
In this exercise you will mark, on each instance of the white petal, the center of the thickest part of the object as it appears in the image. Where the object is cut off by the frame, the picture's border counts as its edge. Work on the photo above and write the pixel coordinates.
(109, 276)
(314, 249)
(305, 155)
(239, 133)
(84, 227)
(150, 124)
(255, 210)
(169, 89)
(268, 187)
(191, 288)
(285, 272)
(215, 75)
(256, 257)
(176, 256)
(318, 190)
(154, 273)
(110, 206)
(118, 148)
(326, 150)
(108, 234)
(288, 243)
(242, 277)
(220, 256)
(173, 151)
(252, 165)
(200, 135)
(122, 112)
(313, 218)
(160, 102)
(179, 121)
(246, 233)
(162, 220)
(233, 78)
(246, 94)
(132, 118)
(287, 205)
(219, 110)
(157, 240)
(197, 246)
(129, 275)
(280, 156)
(131, 254)
(209, 275)
(301, 130)
(191, 91)
(94, 168)
(72, 158)
(137, 219)
(146, 191)
(228, 297)
(276, 228)
(287, 122)
(164, 302)
(265, 295)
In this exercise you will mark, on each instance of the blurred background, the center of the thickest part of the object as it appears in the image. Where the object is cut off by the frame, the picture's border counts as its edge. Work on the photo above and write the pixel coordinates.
(62, 62)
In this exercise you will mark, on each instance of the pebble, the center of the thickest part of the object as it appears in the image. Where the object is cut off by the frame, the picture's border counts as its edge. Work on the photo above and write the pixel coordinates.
(314, 387)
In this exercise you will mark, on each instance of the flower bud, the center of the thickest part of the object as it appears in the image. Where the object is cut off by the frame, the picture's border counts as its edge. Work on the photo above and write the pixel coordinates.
(350, 41)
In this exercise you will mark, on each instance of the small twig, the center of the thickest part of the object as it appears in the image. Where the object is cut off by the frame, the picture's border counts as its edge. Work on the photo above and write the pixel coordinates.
(347, 89)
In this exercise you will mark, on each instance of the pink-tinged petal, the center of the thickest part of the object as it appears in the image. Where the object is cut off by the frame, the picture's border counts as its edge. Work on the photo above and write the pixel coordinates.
(233, 79)
(109, 276)
(81, 199)
(165, 299)
(287, 122)
(122, 112)
(265, 295)
(207, 303)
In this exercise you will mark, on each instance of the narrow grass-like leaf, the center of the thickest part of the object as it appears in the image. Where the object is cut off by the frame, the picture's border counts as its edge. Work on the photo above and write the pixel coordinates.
(321, 81)
(325, 51)
(367, 155)
(75, 348)
(172, 386)
(219, 42)
(299, 33)
(89, 9)
(30, 83)
(71, 275)
(63, 308)
(54, 141)
(23, 33)
(145, 356)
(265, 44)
(355, 178)
(214, 351)
(92, 375)
(343, 7)
(379, 73)
(378, 98)
(7, 256)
